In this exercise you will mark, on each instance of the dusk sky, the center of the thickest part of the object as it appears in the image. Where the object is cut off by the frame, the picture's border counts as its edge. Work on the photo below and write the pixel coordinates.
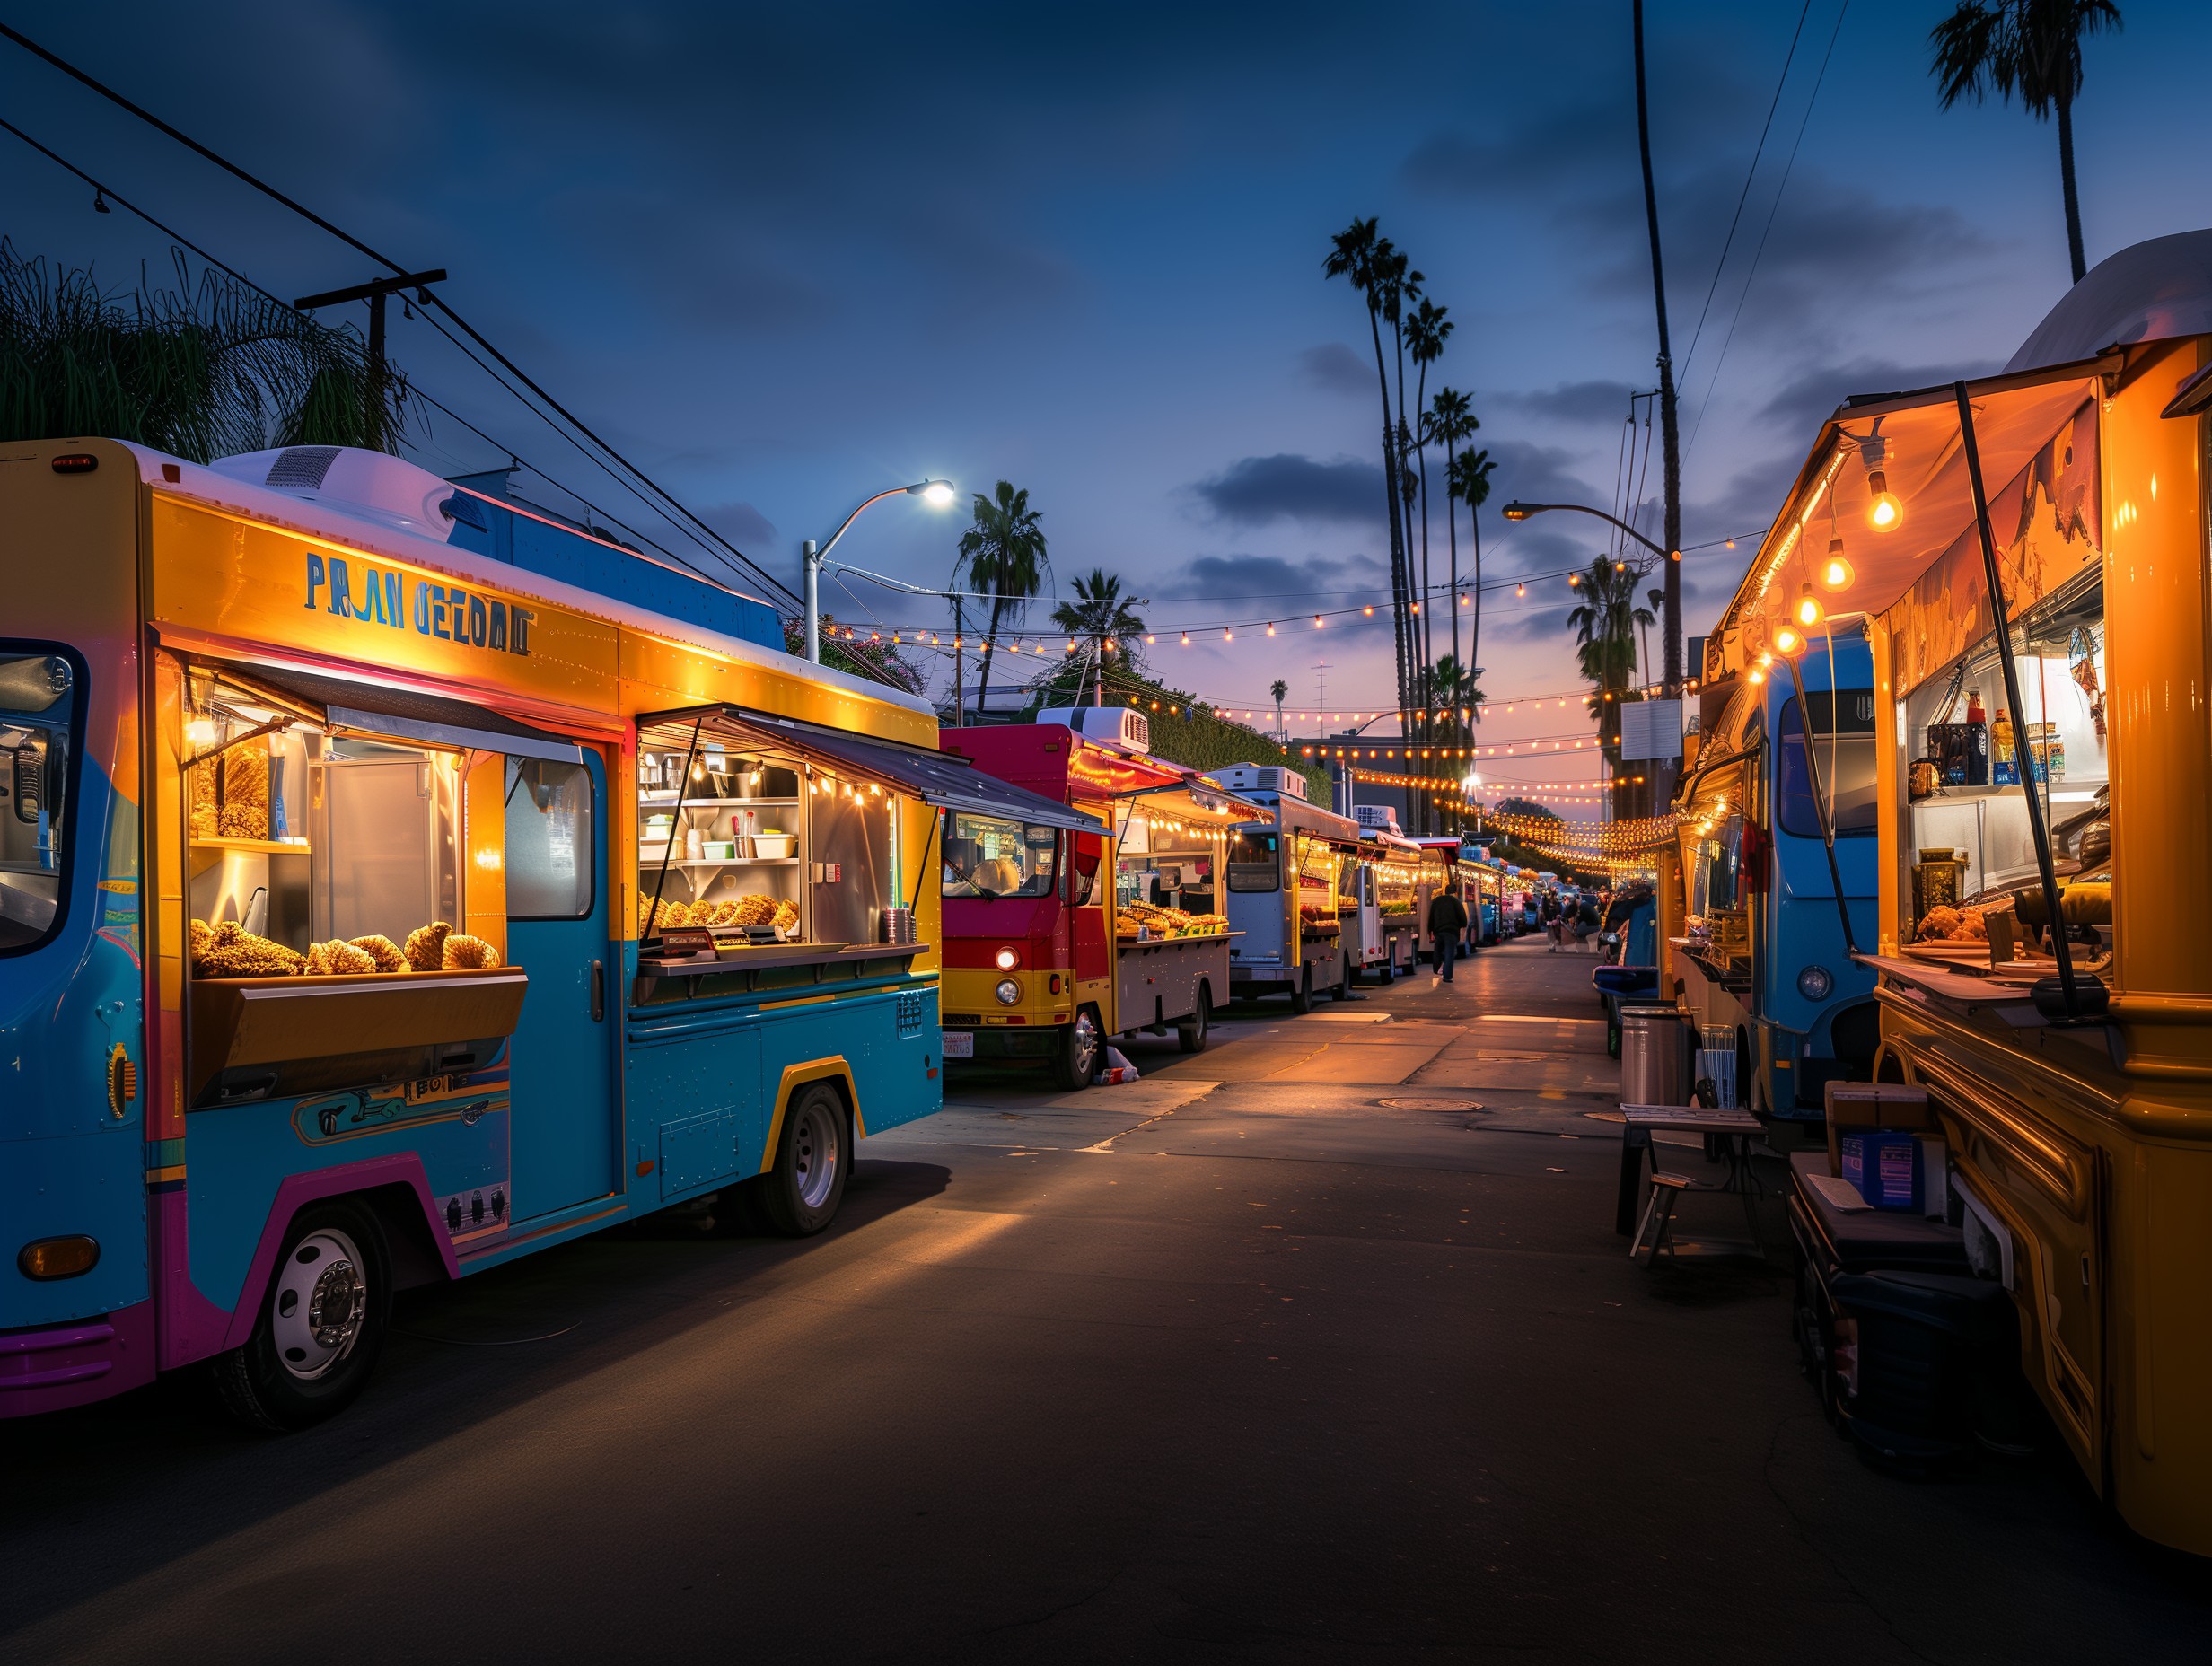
(787, 256)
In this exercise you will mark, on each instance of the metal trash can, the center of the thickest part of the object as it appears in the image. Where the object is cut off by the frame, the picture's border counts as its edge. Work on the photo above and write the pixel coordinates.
(1652, 1057)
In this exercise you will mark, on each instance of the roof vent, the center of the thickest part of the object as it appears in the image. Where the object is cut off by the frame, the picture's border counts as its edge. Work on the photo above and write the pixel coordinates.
(300, 468)
(1115, 726)
(370, 485)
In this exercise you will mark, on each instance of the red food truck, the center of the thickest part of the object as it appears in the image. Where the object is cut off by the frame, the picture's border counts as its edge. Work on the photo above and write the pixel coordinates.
(1056, 936)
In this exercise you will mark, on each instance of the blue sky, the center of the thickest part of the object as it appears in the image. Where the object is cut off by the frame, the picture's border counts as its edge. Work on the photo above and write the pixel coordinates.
(786, 259)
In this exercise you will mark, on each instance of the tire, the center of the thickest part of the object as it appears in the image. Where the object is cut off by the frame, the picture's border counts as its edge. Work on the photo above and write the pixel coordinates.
(1388, 972)
(1081, 1048)
(321, 1326)
(799, 1193)
(1344, 979)
(1302, 997)
(1191, 1034)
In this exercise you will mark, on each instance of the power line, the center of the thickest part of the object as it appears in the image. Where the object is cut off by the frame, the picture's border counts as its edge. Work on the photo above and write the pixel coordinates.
(1773, 208)
(110, 193)
(1749, 174)
(431, 297)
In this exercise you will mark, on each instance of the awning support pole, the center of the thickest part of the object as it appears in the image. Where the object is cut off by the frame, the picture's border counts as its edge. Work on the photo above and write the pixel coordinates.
(2022, 749)
(1819, 804)
(683, 785)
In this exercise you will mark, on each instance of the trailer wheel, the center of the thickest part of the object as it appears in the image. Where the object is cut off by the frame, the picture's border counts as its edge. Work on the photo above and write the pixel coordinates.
(1190, 1035)
(322, 1325)
(1076, 1061)
(800, 1194)
(1302, 997)
(1344, 979)
(1387, 973)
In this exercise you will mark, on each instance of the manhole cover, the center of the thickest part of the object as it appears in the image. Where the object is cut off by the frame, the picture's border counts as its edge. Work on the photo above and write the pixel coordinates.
(1430, 1104)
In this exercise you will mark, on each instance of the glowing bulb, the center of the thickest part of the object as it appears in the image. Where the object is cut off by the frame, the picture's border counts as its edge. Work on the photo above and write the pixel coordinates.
(1270, 627)
(1520, 590)
(1836, 571)
(937, 494)
(1808, 612)
(1788, 641)
(201, 733)
(1884, 512)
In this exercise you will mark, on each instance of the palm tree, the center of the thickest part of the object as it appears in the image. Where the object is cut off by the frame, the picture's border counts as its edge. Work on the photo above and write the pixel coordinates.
(2032, 48)
(1451, 419)
(1002, 556)
(1454, 686)
(1427, 332)
(1363, 259)
(1469, 475)
(1101, 616)
(1606, 626)
(1279, 688)
(209, 369)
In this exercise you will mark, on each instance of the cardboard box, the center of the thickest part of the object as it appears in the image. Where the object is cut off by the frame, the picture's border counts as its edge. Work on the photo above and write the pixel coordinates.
(1874, 1105)
(1883, 1166)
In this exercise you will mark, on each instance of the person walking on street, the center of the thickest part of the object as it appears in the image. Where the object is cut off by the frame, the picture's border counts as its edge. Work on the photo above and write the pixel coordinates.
(1448, 918)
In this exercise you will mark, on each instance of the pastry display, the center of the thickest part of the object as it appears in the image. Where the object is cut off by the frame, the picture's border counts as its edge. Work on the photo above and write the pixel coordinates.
(425, 946)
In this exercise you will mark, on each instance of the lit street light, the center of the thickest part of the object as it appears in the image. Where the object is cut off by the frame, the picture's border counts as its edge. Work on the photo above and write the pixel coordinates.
(936, 494)
(1521, 512)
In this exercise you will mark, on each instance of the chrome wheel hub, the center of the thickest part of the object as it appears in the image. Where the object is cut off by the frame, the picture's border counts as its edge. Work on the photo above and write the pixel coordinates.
(321, 1300)
(815, 1140)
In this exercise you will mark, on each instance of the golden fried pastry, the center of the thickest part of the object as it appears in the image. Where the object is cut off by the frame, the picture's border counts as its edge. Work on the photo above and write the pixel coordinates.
(232, 953)
(1938, 924)
(464, 953)
(425, 946)
(383, 953)
(338, 956)
(786, 916)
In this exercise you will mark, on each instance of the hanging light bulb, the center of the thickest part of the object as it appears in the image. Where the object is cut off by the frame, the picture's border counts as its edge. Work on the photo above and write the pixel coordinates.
(1884, 512)
(1808, 612)
(1520, 590)
(1788, 641)
(1836, 571)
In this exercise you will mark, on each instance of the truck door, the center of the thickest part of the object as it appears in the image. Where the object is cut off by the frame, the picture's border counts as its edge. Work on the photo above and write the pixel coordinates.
(566, 1139)
(1088, 888)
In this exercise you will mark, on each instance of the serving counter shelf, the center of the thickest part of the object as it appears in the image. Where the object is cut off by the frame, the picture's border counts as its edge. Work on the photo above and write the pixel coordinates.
(773, 966)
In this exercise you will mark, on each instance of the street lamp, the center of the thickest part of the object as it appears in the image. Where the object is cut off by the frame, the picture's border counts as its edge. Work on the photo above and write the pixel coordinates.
(1521, 512)
(936, 494)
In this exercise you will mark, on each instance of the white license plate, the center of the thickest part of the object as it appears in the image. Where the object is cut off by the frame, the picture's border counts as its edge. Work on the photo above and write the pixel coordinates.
(958, 1043)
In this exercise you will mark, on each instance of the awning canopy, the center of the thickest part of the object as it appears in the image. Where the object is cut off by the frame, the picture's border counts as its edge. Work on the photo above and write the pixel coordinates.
(343, 703)
(933, 777)
(1188, 796)
(2039, 423)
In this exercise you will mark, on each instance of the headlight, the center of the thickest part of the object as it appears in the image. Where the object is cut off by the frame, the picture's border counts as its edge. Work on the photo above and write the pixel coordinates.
(1008, 959)
(1008, 992)
(1814, 983)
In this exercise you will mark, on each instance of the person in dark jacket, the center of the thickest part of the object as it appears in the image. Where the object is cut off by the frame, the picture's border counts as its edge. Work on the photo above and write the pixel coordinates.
(1448, 918)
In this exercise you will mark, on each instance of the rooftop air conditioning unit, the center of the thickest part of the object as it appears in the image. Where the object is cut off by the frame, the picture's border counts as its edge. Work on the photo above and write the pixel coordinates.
(1380, 816)
(1114, 726)
(1261, 779)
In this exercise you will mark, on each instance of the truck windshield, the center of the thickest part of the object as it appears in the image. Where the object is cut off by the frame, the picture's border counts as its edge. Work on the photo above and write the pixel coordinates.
(1255, 862)
(38, 710)
(1844, 743)
(994, 856)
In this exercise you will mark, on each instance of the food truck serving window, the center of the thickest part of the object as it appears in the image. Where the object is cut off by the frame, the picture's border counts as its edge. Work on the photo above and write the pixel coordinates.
(40, 699)
(1254, 862)
(994, 856)
(1843, 754)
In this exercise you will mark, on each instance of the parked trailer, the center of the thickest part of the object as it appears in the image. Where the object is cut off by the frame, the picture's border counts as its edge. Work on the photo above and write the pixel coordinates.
(1284, 893)
(1049, 949)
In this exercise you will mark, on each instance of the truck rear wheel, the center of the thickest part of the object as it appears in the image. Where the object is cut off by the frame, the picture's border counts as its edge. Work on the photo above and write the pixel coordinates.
(322, 1325)
(800, 1194)
(1080, 1050)
(1302, 997)
(1191, 1033)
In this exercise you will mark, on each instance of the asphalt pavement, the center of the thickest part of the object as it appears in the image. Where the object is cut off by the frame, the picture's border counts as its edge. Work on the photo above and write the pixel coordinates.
(1317, 1345)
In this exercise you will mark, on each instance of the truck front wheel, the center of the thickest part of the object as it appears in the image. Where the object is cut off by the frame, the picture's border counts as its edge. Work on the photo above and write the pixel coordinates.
(1076, 1061)
(1191, 1033)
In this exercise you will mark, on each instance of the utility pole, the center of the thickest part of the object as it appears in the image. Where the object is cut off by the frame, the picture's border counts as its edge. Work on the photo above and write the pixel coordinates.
(960, 708)
(376, 294)
(1669, 435)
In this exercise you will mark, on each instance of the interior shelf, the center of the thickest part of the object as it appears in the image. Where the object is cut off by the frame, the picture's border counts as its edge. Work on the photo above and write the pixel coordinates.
(720, 862)
(667, 800)
(259, 847)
